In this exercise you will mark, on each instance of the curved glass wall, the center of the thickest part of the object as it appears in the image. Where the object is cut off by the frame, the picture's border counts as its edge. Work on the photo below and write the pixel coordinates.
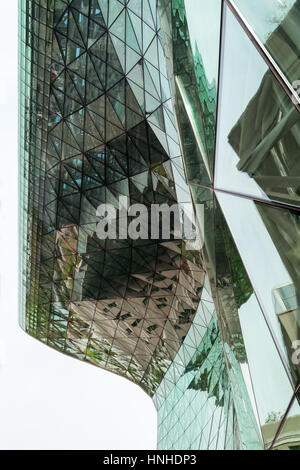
(167, 102)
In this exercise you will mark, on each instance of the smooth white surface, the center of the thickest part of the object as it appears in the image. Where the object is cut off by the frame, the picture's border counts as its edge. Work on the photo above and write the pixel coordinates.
(48, 400)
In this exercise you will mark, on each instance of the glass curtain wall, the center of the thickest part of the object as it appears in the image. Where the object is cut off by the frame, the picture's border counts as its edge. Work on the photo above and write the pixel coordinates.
(168, 102)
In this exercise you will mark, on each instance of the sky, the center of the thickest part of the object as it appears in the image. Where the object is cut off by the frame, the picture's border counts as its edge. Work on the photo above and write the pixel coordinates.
(48, 400)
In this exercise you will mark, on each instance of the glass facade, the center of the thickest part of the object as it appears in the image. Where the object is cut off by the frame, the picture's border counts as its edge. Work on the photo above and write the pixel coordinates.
(168, 102)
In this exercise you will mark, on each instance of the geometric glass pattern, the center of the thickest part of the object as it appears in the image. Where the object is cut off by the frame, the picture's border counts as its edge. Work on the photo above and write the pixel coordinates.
(164, 102)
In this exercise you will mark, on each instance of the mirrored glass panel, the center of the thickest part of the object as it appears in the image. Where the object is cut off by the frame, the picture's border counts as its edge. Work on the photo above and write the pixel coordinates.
(247, 338)
(99, 126)
(268, 241)
(118, 115)
(192, 32)
(203, 21)
(197, 408)
(276, 23)
(287, 435)
(283, 226)
(258, 139)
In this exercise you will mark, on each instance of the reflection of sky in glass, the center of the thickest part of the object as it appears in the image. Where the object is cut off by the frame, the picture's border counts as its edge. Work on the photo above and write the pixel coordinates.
(267, 372)
(261, 259)
(204, 27)
(264, 15)
(243, 72)
(266, 271)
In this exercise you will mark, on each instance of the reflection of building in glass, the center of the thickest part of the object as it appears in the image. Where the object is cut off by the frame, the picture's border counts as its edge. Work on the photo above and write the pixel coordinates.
(285, 299)
(287, 309)
(289, 438)
(115, 101)
(267, 135)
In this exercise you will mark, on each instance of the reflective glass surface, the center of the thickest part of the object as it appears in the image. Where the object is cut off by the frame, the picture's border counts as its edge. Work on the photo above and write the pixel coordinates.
(283, 226)
(287, 435)
(126, 98)
(258, 126)
(247, 338)
(257, 238)
(196, 405)
(99, 124)
(276, 24)
(192, 34)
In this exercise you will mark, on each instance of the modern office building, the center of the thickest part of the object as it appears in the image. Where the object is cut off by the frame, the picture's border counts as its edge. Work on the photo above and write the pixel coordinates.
(168, 102)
